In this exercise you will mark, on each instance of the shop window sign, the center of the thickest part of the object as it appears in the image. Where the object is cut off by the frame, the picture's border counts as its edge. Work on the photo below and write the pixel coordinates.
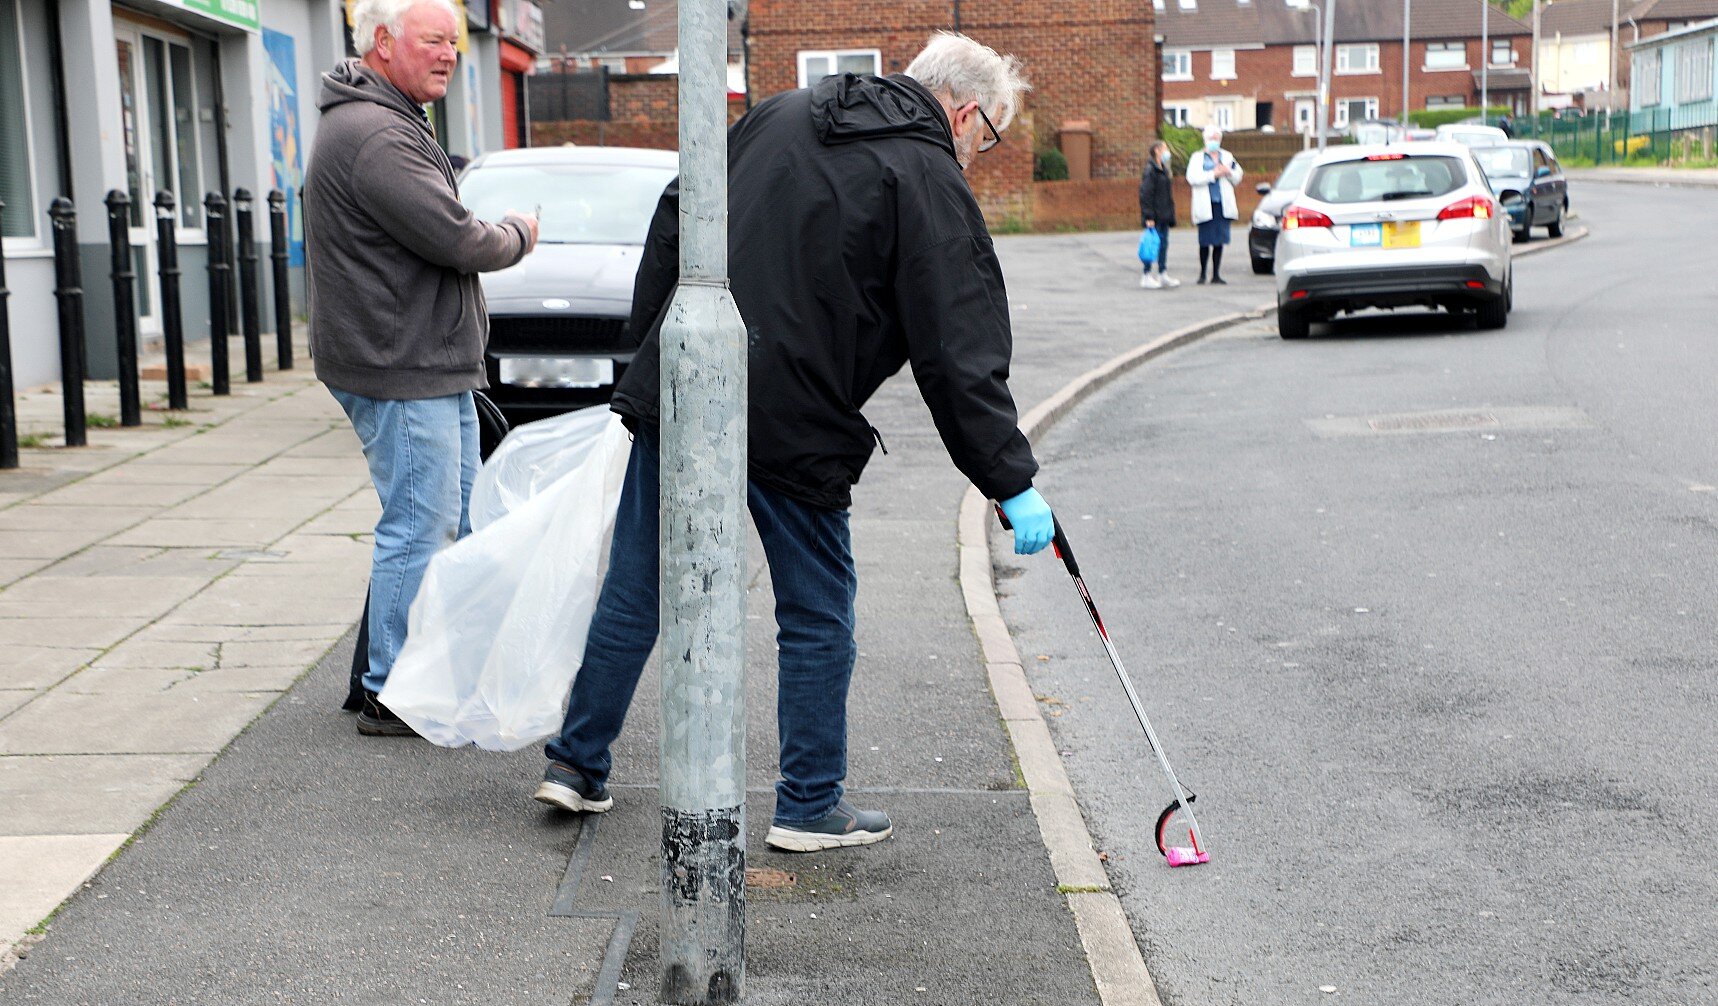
(242, 13)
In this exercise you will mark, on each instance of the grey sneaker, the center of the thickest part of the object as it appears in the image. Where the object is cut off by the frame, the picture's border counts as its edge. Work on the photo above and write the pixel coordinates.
(565, 787)
(845, 825)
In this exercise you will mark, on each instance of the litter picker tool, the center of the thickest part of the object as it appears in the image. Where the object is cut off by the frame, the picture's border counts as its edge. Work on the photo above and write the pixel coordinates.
(1169, 822)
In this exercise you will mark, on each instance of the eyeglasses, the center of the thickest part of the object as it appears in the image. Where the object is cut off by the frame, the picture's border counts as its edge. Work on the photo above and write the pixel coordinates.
(994, 138)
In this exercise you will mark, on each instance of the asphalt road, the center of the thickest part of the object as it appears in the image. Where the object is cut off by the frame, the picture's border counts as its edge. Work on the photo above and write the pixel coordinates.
(1424, 614)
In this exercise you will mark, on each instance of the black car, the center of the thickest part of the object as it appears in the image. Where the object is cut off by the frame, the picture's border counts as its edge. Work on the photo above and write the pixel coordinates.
(1528, 181)
(558, 319)
(1267, 219)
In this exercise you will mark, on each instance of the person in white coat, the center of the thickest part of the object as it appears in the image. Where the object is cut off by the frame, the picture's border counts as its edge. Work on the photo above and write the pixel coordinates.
(1213, 174)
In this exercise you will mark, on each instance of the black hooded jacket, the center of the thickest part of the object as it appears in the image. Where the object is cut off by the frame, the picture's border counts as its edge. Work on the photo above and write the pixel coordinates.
(1156, 196)
(855, 246)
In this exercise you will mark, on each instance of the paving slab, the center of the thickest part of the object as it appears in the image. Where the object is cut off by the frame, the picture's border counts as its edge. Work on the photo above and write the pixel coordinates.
(89, 794)
(153, 470)
(139, 652)
(83, 633)
(12, 570)
(110, 679)
(167, 532)
(260, 601)
(55, 596)
(143, 561)
(46, 544)
(36, 516)
(162, 723)
(12, 698)
(90, 493)
(36, 871)
(32, 666)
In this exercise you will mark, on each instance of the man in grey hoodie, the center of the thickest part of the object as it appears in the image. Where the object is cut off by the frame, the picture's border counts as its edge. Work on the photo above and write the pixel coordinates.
(398, 324)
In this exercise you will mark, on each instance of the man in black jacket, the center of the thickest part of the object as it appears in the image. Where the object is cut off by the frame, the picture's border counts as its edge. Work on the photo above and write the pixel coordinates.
(856, 247)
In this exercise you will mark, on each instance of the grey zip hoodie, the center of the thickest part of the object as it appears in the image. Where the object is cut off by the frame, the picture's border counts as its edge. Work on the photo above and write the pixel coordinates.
(392, 255)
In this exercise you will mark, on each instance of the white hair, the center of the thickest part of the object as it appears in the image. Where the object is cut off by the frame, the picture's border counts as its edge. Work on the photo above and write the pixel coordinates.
(368, 15)
(1213, 133)
(966, 71)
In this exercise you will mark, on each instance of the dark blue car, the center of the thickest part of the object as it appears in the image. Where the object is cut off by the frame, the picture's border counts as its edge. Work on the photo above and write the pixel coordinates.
(1528, 181)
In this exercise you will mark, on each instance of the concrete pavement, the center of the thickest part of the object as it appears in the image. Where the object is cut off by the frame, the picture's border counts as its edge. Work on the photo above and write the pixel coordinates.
(1701, 178)
(968, 864)
(158, 589)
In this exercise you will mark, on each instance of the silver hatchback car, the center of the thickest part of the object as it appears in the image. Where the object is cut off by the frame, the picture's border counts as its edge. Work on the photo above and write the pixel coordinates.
(1396, 225)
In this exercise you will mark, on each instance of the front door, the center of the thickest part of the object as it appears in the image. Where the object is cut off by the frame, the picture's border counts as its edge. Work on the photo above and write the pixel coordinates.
(1304, 111)
(160, 107)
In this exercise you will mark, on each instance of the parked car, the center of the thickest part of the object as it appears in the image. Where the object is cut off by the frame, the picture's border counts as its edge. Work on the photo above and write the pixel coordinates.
(558, 336)
(1262, 238)
(1529, 182)
(1472, 134)
(1393, 226)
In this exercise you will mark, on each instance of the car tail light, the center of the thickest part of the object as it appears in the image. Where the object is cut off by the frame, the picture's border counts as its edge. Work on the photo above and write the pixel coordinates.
(1477, 207)
(1297, 217)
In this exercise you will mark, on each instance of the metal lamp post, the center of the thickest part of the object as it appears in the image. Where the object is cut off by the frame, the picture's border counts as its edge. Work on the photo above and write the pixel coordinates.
(703, 553)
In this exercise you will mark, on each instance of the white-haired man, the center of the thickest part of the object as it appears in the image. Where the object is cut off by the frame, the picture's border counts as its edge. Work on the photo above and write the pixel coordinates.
(397, 320)
(856, 247)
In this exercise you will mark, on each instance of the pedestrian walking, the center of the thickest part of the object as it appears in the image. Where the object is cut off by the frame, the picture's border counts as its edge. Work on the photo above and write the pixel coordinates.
(902, 270)
(1213, 173)
(1157, 212)
(397, 319)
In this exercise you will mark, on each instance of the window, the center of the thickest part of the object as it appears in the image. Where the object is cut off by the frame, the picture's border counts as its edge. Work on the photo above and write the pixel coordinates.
(1357, 58)
(1177, 64)
(1446, 55)
(1502, 53)
(1222, 64)
(1694, 70)
(814, 66)
(1647, 81)
(1176, 115)
(1446, 101)
(1189, 4)
(1350, 110)
(1306, 61)
(1365, 180)
(16, 188)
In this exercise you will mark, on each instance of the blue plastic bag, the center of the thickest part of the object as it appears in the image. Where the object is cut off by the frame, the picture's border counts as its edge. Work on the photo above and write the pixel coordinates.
(1149, 243)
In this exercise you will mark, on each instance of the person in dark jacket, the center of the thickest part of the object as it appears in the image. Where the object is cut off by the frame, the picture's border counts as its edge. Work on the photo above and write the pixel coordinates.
(856, 247)
(397, 318)
(1157, 212)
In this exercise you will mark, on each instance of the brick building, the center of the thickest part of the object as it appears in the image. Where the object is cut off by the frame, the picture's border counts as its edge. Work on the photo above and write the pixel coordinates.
(1090, 61)
(1247, 64)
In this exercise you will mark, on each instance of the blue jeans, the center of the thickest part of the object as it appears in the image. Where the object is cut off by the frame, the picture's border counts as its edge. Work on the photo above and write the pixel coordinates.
(423, 455)
(1162, 252)
(811, 566)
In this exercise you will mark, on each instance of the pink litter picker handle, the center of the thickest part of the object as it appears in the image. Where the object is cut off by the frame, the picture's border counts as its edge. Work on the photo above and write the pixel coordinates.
(1176, 855)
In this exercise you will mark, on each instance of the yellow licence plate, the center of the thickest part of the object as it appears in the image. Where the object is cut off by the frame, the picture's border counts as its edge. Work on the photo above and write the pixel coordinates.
(1403, 234)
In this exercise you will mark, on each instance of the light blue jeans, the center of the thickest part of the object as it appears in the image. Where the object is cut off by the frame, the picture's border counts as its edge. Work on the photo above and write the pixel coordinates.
(423, 455)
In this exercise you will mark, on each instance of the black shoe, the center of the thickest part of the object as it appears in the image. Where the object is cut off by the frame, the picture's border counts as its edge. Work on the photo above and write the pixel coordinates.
(1219, 279)
(566, 787)
(377, 720)
(1201, 280)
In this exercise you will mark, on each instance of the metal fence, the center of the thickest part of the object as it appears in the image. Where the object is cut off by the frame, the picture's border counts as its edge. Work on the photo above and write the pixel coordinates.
(1651, 136)
(559, 96)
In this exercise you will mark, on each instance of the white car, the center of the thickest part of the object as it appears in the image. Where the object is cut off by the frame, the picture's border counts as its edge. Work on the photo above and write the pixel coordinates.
(1395, 225)
(1472, 134)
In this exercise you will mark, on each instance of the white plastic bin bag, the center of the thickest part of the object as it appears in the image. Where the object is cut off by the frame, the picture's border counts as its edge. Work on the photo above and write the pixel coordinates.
(497, 631)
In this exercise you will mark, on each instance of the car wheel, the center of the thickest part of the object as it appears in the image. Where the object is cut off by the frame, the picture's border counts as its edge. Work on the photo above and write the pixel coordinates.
(1525, 234)
(1494, 313)
(1263, 266)
(1555, 227)
(1292, 324)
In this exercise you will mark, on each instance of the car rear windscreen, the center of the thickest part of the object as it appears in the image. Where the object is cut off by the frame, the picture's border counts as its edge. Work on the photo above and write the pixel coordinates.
(581, 204)
(1386, 178)
(1502, 161)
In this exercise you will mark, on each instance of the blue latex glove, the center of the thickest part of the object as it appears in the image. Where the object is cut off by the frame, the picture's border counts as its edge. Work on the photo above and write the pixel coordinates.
(1033, 524)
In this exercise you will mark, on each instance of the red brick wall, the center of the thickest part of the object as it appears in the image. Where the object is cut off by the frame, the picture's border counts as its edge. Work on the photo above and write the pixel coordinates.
(644, 111)
(1086, 59)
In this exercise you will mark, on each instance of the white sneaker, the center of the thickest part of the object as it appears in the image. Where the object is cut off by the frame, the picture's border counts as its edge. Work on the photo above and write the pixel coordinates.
(1149, 282)
(1167, 280)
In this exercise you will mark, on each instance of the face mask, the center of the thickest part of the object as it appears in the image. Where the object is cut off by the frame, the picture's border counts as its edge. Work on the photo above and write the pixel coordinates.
(1212, 144)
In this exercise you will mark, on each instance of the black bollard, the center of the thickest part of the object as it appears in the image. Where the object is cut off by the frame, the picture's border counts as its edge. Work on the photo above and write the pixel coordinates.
(172, 322)
(279, 253)
(124, 305)
(8, 407)
(68, 290)
(215, 225)
(250, 314)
